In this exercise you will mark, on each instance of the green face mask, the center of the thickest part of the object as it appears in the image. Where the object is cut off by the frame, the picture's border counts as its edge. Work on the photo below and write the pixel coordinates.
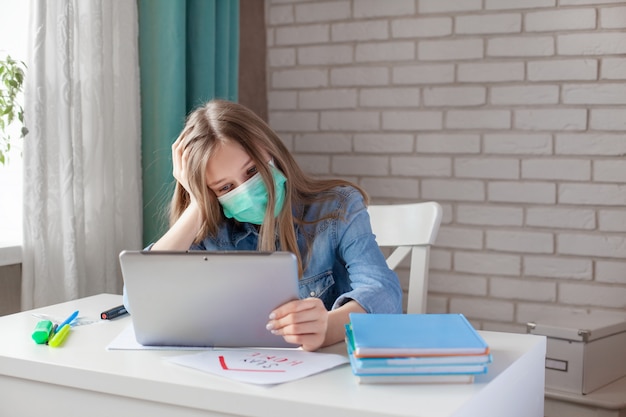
(248, 202)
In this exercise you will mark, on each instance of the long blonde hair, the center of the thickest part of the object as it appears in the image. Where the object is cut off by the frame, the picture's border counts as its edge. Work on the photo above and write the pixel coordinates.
(220, 121)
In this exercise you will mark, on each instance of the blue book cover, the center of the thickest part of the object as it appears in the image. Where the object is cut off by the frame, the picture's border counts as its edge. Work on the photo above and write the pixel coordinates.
(416, 363)
(381, 335)
(452, 365)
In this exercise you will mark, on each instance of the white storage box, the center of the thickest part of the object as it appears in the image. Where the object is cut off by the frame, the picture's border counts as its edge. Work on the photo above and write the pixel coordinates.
(584, 351)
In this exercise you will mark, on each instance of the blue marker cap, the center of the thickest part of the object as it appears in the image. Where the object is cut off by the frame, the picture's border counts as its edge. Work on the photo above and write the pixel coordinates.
(68, 320)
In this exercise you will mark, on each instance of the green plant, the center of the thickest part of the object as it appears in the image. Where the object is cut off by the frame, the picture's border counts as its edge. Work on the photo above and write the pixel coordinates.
(11, 82)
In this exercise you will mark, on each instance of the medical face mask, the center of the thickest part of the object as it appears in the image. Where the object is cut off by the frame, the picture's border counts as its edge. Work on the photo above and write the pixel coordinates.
(247, 203)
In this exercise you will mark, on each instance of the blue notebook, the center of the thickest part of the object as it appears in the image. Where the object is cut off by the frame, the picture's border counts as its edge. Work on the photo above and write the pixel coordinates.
(424, 365)
(383, 335)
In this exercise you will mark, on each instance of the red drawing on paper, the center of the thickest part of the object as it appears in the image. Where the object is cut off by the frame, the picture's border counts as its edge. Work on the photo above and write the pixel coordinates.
(226, 368)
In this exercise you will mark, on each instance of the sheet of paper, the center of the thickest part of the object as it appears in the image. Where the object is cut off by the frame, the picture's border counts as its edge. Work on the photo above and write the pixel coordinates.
(126, 341)
(261, 366)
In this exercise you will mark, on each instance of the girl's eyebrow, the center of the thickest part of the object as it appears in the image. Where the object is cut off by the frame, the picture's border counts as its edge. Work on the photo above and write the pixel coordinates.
(215, 183)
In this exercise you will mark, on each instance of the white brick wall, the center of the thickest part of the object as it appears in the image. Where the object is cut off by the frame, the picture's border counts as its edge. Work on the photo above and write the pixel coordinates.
(562, 70)
(613, 69)
(555, 20)
(511, 114)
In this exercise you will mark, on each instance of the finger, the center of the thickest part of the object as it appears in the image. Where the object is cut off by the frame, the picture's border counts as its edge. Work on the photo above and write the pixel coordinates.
(309, 342)
(295, 313)
(302, 322)
(176, 157)
(301, 328)
(180, 161)
(296, 306)
(185, 156)
(178, 140)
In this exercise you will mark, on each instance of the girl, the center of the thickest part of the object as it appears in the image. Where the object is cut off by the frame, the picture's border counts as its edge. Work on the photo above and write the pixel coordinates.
(239, 188)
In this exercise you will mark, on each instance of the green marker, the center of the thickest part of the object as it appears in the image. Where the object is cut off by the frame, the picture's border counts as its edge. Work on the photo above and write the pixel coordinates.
(42, 332)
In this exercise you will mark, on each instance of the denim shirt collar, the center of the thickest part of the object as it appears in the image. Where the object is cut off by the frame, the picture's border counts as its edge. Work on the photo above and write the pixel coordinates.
(244, 232)
(241, 232)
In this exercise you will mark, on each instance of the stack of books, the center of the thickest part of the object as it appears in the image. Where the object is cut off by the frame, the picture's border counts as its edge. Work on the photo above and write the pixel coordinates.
(410, 348)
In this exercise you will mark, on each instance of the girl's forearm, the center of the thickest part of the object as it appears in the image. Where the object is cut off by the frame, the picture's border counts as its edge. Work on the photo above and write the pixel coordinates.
(337, 319)
(181, 235)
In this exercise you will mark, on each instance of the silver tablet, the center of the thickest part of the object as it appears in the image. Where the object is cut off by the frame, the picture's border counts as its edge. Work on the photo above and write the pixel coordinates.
(198, 298)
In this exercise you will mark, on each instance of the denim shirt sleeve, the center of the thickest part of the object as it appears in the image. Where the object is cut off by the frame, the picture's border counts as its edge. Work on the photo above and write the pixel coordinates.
(373, 285)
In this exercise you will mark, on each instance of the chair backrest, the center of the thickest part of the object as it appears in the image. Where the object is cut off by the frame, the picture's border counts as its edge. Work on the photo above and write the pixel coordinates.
(411, 229)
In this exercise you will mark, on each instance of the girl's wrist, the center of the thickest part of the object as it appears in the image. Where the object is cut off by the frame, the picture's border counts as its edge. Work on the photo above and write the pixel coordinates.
(193, 212)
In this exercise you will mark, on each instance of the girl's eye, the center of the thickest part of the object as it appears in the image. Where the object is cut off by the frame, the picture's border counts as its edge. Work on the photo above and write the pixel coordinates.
(226, 188)
(251, 171)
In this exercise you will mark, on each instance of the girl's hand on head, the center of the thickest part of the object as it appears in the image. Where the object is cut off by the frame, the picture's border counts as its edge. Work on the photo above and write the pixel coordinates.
(179, 162)
(302, 322)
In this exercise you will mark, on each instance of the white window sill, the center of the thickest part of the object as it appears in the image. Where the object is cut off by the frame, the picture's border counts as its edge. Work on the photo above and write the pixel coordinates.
(10, 254)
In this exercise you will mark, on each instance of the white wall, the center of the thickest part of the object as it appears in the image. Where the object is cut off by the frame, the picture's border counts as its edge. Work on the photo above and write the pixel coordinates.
(510, 113)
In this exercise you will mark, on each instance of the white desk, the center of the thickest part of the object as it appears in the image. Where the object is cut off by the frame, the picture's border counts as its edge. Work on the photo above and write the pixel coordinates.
(83, 378)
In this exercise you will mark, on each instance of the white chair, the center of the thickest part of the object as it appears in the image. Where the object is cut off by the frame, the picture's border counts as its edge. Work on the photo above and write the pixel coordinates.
(411, 229)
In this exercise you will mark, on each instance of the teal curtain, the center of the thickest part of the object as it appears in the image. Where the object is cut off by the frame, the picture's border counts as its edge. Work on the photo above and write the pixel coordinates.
(188, 54)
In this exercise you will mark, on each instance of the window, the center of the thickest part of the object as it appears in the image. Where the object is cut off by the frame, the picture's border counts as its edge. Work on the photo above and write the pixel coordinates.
(13, 41)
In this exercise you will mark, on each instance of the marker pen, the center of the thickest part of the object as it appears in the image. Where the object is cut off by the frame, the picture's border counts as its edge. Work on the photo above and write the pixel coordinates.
(59, 336)
(68, 320)
(113, 313)
(42, 332)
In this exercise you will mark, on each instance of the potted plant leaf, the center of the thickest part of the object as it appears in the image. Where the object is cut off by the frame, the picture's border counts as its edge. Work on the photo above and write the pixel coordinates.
(11, 111)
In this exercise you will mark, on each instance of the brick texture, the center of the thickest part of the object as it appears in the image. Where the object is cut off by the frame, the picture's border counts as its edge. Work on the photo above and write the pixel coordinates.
(511, 114)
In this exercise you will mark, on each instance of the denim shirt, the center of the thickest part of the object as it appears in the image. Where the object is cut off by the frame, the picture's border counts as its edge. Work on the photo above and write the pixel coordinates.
(345, 263)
